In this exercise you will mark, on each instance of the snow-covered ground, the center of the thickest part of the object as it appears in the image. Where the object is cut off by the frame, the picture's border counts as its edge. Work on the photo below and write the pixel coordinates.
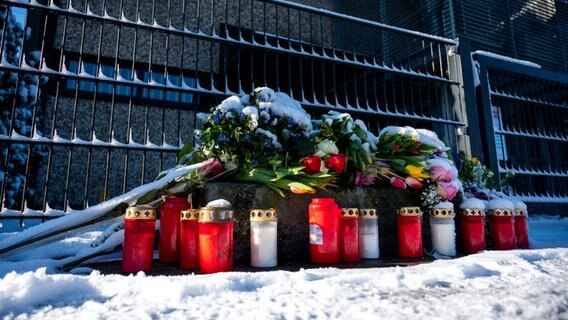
(518, 284)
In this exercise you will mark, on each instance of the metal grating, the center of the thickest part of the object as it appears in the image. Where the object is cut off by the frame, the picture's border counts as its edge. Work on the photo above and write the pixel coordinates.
(112, 87)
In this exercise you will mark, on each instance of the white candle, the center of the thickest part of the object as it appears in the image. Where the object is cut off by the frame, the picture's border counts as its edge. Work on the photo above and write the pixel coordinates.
(263, 239)
(443, 231)
(369, 238)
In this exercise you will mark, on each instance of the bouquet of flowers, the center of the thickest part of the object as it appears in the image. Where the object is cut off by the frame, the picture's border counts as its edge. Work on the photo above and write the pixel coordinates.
(478, 180)
(259, 138)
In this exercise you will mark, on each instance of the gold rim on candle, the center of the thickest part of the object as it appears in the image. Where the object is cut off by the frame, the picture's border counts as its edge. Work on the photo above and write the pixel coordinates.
(368, 213)
(140, 212)
(409, 211)
(263, 215)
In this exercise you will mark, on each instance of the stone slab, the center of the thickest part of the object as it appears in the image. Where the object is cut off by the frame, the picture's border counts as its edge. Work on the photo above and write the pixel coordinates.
(293, 229)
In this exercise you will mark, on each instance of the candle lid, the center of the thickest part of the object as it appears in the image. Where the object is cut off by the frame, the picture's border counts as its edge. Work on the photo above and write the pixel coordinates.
(473, 212)
(506, 212)
(189, 214)
(409, 211)
(350, 212)
(263, 215)
(444, 213)
(368, 213)
(215, 214)
(140, 212)
(520, 212)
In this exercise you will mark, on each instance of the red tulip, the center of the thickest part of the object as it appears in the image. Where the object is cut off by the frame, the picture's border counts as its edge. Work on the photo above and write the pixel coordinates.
(214, 169)
(398, 183)
(413, 183)
(311, 164)
(336, 162)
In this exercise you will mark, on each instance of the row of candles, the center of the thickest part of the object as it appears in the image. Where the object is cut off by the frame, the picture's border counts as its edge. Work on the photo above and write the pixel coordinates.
(203, 238)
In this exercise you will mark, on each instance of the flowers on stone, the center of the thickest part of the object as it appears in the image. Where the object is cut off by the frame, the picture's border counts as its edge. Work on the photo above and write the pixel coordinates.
(311, 164)
(413, 182)
(398, 183)
(448, 190)
(417, 172)
(336, 162)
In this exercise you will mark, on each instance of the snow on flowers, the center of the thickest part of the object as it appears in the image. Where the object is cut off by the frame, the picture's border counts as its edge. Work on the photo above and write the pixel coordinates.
(267, 137)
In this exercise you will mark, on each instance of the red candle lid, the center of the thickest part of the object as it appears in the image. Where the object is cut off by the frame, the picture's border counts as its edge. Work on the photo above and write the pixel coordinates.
(409, 211)
(190, 214)
(142, 212)
(351, 212)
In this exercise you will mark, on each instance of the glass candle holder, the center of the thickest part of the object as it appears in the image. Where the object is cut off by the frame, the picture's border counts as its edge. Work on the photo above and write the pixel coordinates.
(324, 220)
(139, 234)
(502, 222)
(443, 230)
(170, 228)
(472, 230)
(409, 225)
(215, 250)
(189, 239)
(349, 235)
(263, 238)
(521, 228)
(369, 233)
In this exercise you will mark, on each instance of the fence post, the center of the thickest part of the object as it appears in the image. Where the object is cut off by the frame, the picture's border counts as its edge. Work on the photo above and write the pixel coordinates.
(469, 99)
(490, 146)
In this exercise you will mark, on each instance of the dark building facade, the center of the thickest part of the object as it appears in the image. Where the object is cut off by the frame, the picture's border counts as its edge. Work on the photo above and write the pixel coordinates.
(113, 87)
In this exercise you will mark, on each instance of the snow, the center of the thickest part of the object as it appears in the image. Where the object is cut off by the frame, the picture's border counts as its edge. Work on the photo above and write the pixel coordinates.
(519, 205)
(444, 204)
(472, 203)
(500, 203)
(219, 203)
(506, 58)
(517, 284)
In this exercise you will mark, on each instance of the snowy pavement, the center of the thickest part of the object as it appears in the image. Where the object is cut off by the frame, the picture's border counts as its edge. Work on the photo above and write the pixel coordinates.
(518, 284)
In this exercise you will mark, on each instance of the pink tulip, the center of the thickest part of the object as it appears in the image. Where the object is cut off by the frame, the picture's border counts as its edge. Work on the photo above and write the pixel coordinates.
(362, 179)
(447, 190)
(413, 183)
(440, 173)
(398, 183)
(214, 169)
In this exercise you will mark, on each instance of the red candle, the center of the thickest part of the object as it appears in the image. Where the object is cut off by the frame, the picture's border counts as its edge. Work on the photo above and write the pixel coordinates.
(324, 220)
(349, 235)
(472, 229)
(215, 249)
(138, 246)
(170, 227)
(189, 239)
(409, 223)
(521, 229)
(502, 222)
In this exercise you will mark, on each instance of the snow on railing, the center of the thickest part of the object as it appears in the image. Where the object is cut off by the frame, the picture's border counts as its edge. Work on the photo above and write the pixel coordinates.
(527, 99)
(345, 58)
(526, 134)
(75, 141)
(534, 172)
(541, 198)
(28, 213)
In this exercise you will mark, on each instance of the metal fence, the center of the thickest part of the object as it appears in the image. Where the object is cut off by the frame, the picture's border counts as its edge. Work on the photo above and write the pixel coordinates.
(98, 96)
(525, 112)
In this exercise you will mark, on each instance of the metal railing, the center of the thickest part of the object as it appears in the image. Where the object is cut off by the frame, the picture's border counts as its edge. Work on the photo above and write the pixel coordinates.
(100, 95)
(525, 110)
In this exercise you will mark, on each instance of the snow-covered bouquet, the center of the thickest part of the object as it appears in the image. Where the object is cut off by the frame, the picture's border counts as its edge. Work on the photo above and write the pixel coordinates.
(343, 145)
(259, 138)
(478, 180)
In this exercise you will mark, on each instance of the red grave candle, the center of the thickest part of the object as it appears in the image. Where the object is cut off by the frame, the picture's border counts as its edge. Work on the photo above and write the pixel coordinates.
(324, 220)
(521, 229)
(502, 222)
(189, 237)
(349, 235)
(138, 246)
(215, 249)
(472, 230)
(409, 224)
(170, 228)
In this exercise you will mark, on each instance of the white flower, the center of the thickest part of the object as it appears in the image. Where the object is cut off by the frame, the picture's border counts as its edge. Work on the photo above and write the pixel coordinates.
(326, 147)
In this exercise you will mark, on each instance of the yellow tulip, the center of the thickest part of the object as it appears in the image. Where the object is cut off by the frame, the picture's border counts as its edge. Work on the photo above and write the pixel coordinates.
(474, 160)
(300, 188)
(417, 172)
